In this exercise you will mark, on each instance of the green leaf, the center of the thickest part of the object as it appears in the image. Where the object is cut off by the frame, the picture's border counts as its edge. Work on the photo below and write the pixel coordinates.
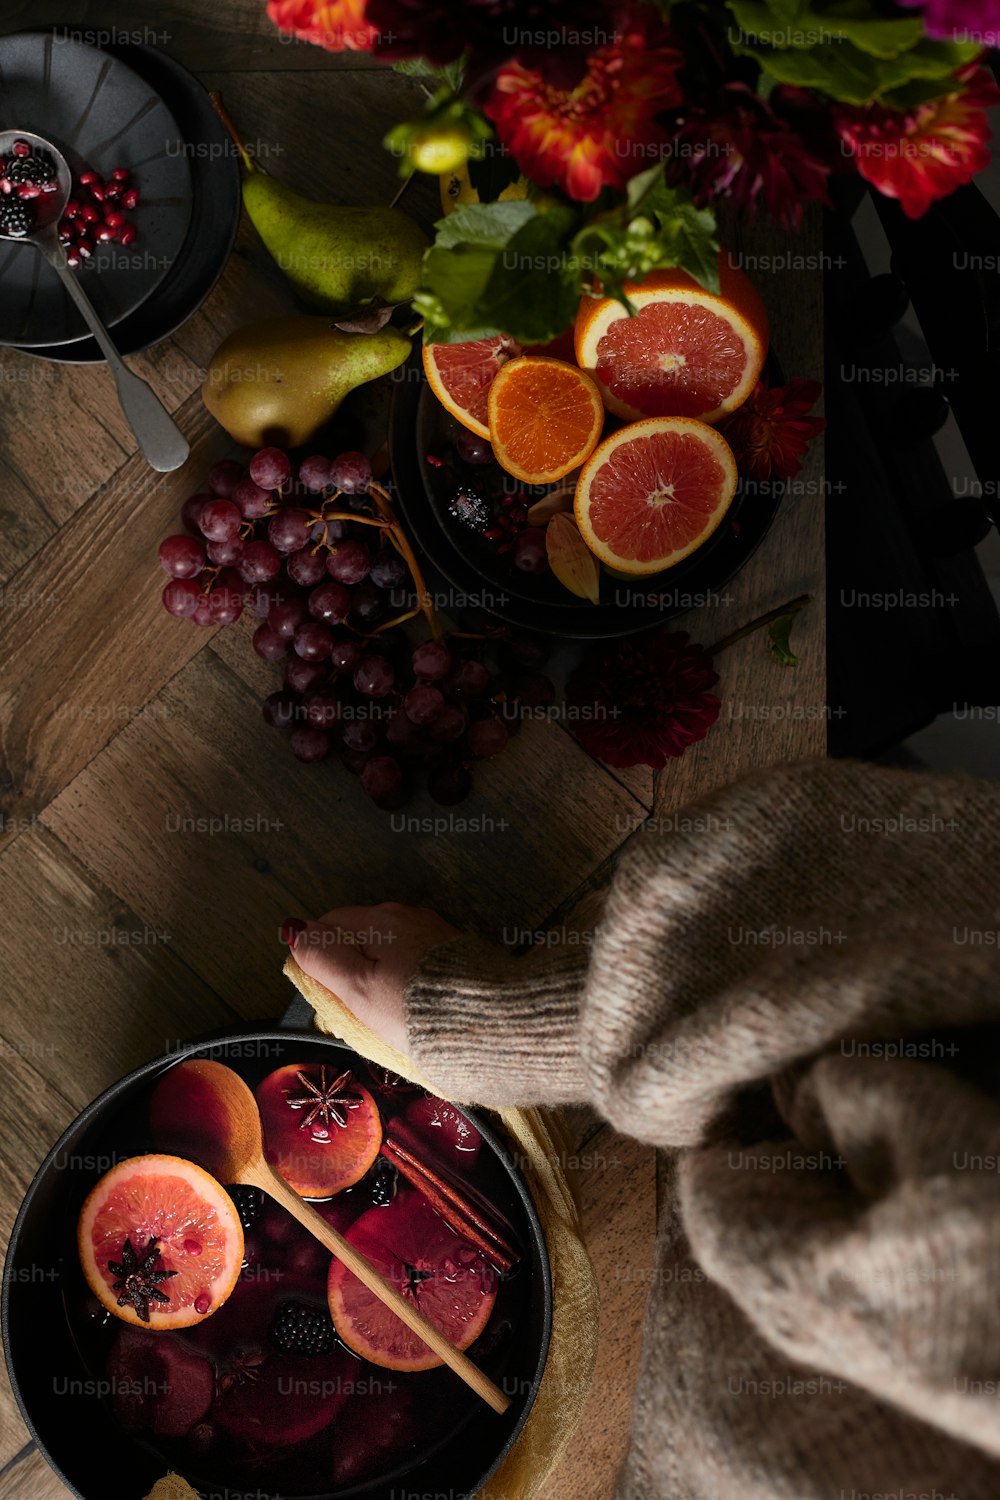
(452, 75)
(779, 630)
(489, 225)
(847, 74)
(808, 27)
(534, 289)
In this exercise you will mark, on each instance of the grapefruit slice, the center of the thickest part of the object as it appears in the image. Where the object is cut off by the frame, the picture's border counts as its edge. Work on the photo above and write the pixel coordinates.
(446, 1277)
(160, 1242)
(322, 1129)
(653, 492)
(545, 418)
(685, 353)
(460, 375)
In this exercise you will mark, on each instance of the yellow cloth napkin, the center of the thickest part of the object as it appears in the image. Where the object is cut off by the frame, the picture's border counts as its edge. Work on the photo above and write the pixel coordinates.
(540, 1143)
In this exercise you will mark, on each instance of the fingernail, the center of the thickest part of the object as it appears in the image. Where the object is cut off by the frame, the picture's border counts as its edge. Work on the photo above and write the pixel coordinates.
(290, 929)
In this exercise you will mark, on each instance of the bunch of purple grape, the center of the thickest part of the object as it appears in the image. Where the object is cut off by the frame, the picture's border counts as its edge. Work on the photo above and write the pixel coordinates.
(299, 553)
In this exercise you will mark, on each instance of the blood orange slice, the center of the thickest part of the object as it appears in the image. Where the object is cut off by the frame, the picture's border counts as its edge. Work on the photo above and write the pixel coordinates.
(322, 1129)
(447, 1279)
(460, 375)
(686, 352)
(545, 418)
(653, 492)
(160, 1242)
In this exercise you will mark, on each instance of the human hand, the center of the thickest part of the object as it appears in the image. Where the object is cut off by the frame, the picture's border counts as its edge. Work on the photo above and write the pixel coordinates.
(366, 955)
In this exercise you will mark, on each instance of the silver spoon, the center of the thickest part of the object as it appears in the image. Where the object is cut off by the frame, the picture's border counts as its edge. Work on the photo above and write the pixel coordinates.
(157, 434)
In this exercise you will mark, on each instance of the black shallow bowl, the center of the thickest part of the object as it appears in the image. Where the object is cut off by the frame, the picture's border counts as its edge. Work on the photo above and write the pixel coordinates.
(215, 212)
(80, 1437)
(419, 424)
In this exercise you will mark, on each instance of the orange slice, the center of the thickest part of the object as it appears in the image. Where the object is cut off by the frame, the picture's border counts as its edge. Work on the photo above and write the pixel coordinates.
(460, 375)
(197, 1232)
(545, 418)
(686, 352)
(653, 492)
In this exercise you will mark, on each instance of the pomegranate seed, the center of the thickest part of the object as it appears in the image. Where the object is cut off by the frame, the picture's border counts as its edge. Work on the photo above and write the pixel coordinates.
(97, 193)
(72, 259)
(130, 199)
(87, 177)
(120, 174)
(89, 212)
(128, 234)
(21, 148)
(493, 534)
(112, 192)
(435, 462)
(29, 190)
(113, 220)
(104, 234)
(84, 249)
(72, 210)
(6, 184)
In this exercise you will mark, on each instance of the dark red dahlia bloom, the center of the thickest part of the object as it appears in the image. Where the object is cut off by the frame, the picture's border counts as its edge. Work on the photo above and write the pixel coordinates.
(922, 154)
(972, 20)
(738, 147)
(770, 432)
(642, 701)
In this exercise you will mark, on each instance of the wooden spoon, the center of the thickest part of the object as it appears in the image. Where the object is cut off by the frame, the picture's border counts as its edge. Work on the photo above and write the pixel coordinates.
(225, 1131)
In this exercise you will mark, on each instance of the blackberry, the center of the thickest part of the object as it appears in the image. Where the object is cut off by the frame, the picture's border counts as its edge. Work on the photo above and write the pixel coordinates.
(384, 1182)
(301, 1329)
(15, 216)
(38, 168)
(249, 1202)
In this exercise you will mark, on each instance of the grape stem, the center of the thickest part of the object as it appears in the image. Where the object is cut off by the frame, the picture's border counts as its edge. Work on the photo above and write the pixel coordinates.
(383, 505)
(791, 608)
(411, 614)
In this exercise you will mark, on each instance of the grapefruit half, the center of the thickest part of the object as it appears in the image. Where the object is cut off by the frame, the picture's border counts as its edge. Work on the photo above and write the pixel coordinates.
(460, 375)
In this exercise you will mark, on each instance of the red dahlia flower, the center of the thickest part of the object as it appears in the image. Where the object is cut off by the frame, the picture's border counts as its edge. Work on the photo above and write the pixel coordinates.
(337, 25)
(642, 701)
(770, 432)
(740, 149)
(921, 154)
(601, 132)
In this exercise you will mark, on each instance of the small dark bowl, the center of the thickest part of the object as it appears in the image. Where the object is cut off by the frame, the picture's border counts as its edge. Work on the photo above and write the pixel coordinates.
(80, 1438)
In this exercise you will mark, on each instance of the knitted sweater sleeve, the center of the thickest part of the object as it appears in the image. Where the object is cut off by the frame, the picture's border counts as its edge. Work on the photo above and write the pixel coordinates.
(796, 986)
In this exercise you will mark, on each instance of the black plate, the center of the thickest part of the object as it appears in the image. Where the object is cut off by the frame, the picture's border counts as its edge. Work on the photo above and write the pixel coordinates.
(215, 212)
(79, 1437)
(99, 113)
(419, 424)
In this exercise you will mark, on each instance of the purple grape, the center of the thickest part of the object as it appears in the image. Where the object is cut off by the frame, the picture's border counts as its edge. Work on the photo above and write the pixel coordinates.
(382, 779)
(473, 449)
(389, 571)
(330, 602)
(281, 709)
(346, 654)
(252, 500)
(259, 563)
(351, 472)
(285, 616)
(224, 554)
(368, 603)
(268, 644)
(422, 704)
(449, 785)
(450, 724)
(309, 744)
(374, 677)
(322, 709)
(329, 531)
(354, 760)
(470, 679)
(314, 473)
(260, 598)
(349, 562)
(289, 530)
(301, 675)
(313, 641)
(432, 660)
(270, 468)
(487, 737)
(361, 734)
(305, 567)
(219, 520)
(529, 551)
(203, 614)
(181, 556)
(401, 732)
(190, 513)
(225, 604)
(224, 476)
(181, 597)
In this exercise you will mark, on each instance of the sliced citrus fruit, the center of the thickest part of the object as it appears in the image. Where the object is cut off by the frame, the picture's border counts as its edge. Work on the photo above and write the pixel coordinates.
(545, 418)
(460, 375)
(685, 353)
(653, 492)
(322, 1129)
(160, 1242)
(445, 1276)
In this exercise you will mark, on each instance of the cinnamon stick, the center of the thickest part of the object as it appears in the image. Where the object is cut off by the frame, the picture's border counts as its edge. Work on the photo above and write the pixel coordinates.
(456, 1211)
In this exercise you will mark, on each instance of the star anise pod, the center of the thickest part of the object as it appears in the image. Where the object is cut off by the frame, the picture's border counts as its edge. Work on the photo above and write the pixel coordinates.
(137, 1282)
(244, 1368)
(328, 1102)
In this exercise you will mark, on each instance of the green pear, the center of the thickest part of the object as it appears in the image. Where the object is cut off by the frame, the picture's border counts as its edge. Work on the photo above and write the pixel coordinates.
(275, 383)
(336, 259)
